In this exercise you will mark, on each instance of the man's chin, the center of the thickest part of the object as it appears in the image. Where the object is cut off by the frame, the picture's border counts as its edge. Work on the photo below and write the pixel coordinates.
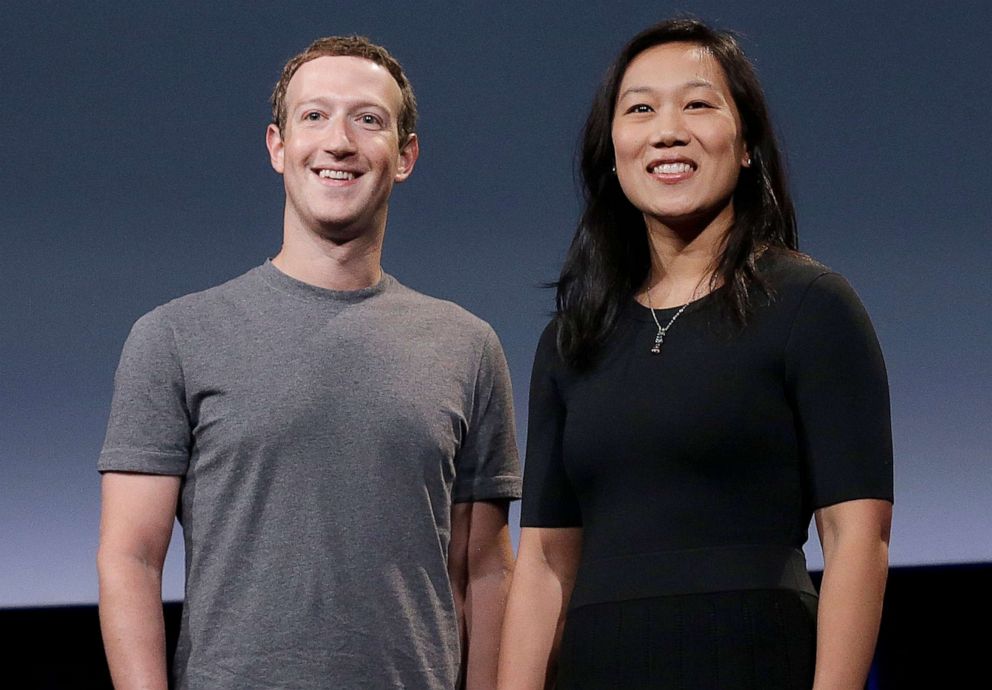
(343, 230)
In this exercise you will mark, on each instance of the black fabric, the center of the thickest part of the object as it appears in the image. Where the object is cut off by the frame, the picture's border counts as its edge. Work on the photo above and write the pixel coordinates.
(717, 569)
(748, 640)
(725, 442)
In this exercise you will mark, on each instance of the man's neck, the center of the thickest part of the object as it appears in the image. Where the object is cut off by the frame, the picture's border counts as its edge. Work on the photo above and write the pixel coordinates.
(351, 264)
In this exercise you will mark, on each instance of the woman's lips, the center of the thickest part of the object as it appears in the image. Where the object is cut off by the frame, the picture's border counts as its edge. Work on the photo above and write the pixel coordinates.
(673, 171)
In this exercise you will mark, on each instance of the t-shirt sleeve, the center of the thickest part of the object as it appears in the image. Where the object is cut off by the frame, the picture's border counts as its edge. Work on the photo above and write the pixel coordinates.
(836, 374)
(149, 427)
(487, 466)
(549, 500)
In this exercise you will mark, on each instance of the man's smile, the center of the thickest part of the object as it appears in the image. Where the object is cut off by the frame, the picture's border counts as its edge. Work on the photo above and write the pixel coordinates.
(336, 176)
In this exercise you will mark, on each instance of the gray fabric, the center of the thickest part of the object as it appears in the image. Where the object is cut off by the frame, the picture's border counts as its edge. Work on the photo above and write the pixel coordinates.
(322, 437)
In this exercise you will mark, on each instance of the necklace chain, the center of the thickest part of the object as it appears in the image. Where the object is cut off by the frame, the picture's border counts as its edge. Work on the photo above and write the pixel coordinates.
(659, 337)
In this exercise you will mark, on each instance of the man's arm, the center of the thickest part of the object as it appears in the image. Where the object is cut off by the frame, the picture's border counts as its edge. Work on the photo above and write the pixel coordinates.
(855, 540)
(480, 563)
(137, 515)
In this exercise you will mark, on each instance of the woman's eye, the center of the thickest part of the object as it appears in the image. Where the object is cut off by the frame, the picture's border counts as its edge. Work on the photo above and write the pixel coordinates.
(695, 105)
(639, 108)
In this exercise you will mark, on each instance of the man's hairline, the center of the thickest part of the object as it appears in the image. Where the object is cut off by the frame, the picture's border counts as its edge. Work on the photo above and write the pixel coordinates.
(397, 118)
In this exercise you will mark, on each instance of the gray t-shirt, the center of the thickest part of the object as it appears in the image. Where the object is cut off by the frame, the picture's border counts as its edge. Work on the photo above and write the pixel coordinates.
(322, 437)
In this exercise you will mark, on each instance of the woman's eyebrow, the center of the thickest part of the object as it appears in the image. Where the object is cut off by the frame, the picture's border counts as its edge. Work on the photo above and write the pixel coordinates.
(691, 84)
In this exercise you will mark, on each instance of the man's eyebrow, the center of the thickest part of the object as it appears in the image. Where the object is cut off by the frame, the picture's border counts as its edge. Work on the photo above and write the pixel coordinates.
(691, 84)
(357, 103)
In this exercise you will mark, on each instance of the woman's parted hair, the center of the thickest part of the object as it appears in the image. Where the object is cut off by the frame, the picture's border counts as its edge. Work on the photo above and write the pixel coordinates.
(609, 258)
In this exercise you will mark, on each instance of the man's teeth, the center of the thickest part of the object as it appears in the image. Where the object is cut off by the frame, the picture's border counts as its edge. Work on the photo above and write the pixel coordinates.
(337, 174)
(671, 168)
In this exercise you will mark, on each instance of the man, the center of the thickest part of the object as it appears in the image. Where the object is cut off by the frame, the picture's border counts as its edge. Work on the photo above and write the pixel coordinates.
(339, 448)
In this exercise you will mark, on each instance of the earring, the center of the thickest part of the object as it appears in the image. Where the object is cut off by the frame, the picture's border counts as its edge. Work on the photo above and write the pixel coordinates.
(747, 161)
(614, 170)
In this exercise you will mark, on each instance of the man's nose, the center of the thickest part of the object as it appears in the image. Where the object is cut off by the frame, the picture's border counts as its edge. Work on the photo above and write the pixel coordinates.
(338, 138)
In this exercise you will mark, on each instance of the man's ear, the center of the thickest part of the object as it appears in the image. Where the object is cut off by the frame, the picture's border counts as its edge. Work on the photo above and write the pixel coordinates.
(408, 157)
(273, 142)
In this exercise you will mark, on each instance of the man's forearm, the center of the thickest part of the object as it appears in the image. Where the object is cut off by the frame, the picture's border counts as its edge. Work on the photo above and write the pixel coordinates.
(485, 605)
(132, 623)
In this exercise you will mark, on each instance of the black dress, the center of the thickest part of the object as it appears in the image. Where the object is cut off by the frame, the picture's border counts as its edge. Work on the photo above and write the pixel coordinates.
(694, 475)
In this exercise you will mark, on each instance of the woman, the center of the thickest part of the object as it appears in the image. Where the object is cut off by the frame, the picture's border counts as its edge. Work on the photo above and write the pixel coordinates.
(702, 391)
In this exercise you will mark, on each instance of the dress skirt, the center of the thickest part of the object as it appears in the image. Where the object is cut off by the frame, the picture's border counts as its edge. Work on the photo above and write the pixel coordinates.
(740, 640)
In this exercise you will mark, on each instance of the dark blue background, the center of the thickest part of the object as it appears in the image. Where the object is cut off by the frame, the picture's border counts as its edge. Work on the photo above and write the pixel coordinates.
(134, 170)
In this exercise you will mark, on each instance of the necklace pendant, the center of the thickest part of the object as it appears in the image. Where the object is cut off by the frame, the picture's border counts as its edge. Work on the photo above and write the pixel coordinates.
(662, 330)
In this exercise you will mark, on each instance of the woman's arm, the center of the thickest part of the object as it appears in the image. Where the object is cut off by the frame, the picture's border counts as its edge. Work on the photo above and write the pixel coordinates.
(535, 613)
(855, 540)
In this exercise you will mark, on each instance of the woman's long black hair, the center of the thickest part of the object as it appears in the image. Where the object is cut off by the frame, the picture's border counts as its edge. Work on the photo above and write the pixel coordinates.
(610, 257)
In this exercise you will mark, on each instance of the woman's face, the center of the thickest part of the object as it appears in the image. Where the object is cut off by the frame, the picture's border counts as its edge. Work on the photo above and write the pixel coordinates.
(677, 136)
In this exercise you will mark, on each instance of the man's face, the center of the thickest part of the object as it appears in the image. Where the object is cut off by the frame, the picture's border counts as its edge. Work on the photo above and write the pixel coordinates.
(339, 152)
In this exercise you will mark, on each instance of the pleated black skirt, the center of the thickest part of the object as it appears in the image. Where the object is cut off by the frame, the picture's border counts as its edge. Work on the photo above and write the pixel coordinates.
(744, 640)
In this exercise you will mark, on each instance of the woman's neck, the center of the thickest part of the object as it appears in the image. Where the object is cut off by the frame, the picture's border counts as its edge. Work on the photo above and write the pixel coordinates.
(683, 261)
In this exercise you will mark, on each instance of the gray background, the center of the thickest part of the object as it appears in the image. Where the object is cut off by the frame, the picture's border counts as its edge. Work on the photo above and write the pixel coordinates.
(133, 170)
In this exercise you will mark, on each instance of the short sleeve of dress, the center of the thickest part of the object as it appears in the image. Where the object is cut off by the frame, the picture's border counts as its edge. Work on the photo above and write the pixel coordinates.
(837, 378)
(149, 426)
(487, 466)
(549, 499)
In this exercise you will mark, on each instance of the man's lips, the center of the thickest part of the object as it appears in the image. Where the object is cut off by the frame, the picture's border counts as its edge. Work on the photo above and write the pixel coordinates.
(336, 176)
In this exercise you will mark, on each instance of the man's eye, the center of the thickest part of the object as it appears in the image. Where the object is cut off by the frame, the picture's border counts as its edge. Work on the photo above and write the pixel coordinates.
(312, 116)
(370, 119)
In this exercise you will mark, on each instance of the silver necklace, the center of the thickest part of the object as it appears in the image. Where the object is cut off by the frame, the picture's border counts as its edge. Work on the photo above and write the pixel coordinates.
(659, 338)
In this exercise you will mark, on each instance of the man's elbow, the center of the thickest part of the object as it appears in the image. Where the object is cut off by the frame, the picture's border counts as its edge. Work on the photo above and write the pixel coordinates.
(490, 574)
(118, 569)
